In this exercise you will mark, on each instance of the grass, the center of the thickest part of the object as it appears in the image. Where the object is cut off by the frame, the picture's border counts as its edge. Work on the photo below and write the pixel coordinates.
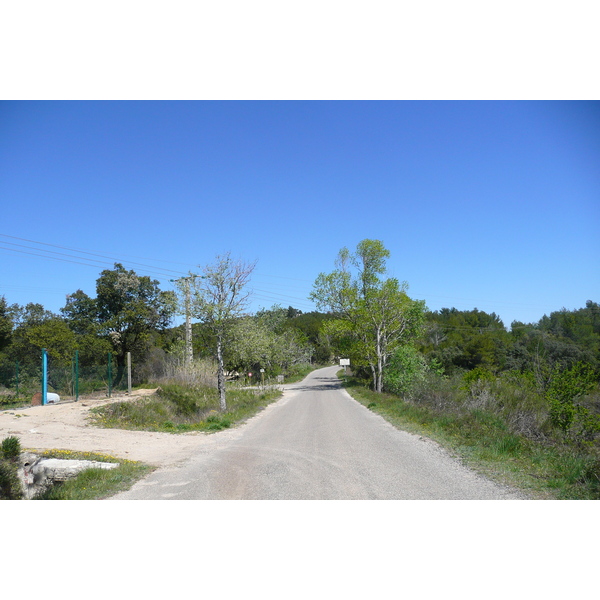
(177, 408)
(95, 484)
(483, 439)
(11, 402)
(91, 484)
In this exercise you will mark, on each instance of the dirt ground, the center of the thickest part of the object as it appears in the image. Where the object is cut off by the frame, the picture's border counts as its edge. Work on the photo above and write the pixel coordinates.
(65, 426)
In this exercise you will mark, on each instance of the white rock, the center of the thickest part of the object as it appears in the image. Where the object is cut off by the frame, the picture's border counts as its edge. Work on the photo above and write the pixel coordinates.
(37, 474)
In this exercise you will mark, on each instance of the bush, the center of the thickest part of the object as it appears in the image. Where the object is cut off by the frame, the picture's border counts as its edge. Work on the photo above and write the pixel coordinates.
(405, 368)
(217, 422)
(10, 487)
(438, 392)
(476, 378)
(564, 389)
(11, 447)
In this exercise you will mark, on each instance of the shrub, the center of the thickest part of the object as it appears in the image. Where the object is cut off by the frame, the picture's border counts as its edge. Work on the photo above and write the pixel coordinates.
(565, 387)
(476, 379)
(405, 368)
(10, 487)
(439, 393)
(11, 447)
(217, 422)
(524, 409)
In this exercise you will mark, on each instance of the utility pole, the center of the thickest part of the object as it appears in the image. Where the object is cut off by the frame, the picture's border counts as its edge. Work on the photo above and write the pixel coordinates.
(189, 355)
(189, 352)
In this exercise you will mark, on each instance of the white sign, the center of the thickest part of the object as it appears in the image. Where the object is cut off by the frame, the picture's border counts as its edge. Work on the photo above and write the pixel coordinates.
(344, 362)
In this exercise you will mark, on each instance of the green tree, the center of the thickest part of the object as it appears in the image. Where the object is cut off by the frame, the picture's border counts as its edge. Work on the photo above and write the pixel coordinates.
(38, 328)
(6, 324)
(465, 339)
(127, 309)
(578, 327)
(81, 313)
(249, 345)
(374, 316)
(266, 341)
(54, 335)
(31, 314)
(218, 297)
(310, 325)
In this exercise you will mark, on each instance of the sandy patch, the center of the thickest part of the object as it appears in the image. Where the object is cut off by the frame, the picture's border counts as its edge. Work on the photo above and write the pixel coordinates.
(66, 426)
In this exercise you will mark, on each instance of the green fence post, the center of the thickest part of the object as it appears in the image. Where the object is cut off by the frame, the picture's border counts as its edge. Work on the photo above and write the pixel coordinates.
(109, 374)
(76, 375)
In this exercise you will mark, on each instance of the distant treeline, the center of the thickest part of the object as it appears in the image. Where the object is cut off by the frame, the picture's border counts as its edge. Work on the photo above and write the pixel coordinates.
(464, 340)
(452, 340)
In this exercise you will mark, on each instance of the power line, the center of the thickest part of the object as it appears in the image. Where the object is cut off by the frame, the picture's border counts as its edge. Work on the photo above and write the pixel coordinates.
(77, 262)
(271, 296)
(273, 291)
(86, 251)
(152, 268)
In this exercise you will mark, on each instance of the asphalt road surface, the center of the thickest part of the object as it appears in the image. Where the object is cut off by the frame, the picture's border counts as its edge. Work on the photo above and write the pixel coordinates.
(317, 443)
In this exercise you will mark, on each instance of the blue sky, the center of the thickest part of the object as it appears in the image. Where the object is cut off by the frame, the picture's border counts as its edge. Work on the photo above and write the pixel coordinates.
(494, 205)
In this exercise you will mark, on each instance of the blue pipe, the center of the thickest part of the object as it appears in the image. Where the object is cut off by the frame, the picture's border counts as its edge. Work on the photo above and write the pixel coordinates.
(44, 377)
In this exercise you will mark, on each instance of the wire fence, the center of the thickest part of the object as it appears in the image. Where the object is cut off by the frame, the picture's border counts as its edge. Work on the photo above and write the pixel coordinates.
(68, 382)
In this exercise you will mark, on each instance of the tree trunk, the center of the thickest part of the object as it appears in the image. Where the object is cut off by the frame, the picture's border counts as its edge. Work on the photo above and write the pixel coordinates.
(374, 374)
(121, 358)
(379, 372)
(378, 349)
(221, 374)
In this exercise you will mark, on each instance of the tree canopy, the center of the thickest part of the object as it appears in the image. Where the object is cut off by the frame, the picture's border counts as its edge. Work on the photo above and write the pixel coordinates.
(373, 315)
(126, 310)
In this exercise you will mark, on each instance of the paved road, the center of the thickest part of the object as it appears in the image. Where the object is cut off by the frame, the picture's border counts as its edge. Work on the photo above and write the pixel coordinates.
(318, 443)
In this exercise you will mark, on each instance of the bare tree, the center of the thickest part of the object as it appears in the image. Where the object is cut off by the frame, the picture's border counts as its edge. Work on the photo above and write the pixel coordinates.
(218, 297)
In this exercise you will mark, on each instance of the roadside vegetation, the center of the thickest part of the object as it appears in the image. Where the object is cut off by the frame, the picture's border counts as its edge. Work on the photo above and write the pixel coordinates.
(10, 451)
(9, 402)
(177, 408)
(88, 343)
(95, 484)
(522, 405)
(500, 427)
(188, 399)
(91, 484)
